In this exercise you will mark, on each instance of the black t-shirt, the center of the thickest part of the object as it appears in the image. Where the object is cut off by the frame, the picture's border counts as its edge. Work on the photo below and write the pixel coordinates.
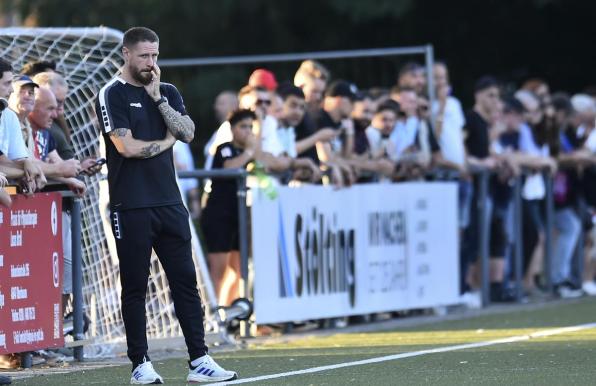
(134, 182)
(305, 129)
(223, 197)
(503, 190)
(477, 138)
(361, 144)
(324, 121)
(63, 147)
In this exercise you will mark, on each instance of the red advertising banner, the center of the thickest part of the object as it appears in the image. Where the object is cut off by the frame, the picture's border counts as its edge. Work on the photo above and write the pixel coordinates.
(31, 273)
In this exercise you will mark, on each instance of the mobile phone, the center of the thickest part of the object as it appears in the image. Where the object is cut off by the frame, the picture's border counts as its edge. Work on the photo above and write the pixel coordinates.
(98, 162)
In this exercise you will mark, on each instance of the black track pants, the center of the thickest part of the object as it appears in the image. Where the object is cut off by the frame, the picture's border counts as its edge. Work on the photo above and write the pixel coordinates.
(166, 230)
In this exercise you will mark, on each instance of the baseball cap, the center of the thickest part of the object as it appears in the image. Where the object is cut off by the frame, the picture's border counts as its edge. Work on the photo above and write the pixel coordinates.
(23, 80)
(342, 88)
(263, 78)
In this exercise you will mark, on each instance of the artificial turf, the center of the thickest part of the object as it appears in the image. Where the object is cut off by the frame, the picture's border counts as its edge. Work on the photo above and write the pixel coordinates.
(564, 359)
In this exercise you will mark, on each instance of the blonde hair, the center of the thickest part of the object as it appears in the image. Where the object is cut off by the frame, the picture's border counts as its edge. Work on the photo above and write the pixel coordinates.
(309, 70)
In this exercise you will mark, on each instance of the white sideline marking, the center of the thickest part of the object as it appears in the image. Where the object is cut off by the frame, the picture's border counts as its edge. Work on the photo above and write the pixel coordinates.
(519, 338)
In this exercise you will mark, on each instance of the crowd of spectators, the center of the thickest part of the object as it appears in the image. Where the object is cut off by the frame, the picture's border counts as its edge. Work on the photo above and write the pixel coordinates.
(35, 147)
(315, 129)
(319, 130)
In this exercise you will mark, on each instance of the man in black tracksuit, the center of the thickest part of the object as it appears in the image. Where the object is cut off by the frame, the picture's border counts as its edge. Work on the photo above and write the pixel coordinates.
(141, 119)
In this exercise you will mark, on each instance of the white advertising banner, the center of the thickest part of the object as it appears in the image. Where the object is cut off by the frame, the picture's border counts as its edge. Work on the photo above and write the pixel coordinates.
(321, 253)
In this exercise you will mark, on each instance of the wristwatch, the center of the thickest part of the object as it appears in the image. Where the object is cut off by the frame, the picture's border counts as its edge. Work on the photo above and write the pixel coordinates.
(160, 100)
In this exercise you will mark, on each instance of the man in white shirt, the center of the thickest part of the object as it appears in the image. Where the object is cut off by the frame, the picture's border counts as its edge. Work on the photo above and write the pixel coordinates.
(449, 118)
(293, 109)
(14, 160)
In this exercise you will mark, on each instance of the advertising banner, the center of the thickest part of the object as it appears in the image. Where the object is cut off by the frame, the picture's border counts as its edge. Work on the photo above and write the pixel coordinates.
(31, 273)
(320, 252)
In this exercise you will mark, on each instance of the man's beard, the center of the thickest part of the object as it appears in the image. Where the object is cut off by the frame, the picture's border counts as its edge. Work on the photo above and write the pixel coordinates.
(143, 77)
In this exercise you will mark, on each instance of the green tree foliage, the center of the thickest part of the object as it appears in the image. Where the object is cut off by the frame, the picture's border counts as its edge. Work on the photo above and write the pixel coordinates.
(512, 39)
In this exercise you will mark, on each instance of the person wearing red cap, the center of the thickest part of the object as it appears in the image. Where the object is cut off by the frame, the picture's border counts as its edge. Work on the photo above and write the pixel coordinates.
(263, 78)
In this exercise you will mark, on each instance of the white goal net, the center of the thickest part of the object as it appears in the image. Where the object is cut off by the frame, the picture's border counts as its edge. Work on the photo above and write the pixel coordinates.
(89, 58)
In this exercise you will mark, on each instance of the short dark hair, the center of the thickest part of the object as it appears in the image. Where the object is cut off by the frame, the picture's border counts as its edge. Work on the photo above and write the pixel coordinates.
(390, 105)
(513, 105)
(139, 34)
(362, 95)
(5, 66)
(33, 68)
(286, 90)
(409, 67)
(240, 115)
(485, 82)
(562, 102)
(378, 92)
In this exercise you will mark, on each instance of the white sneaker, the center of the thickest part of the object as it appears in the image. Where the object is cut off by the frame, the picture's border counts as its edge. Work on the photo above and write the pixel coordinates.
(471, 299)
(566, 292)
(589, 288)
(145, 374)
(209, 371)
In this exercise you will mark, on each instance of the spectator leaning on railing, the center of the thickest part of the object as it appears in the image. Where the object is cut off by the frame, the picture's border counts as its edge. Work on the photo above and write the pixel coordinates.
(335, 114)
(477, 141)
(292, 113)
(44, 147)
(22, 102)
(398, 135)
(449, 122)
(413, 137)
(362, 157)
(533, 142)
(15, 160)
(312, 77)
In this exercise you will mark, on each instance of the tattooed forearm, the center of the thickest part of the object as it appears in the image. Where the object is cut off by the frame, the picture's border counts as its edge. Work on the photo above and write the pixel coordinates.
(150, 151)
(118, 132)
(181, 126)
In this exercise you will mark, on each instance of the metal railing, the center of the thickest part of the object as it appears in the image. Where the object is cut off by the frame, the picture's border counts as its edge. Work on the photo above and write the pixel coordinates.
(239, 175)
(483, 178)
(427, 50)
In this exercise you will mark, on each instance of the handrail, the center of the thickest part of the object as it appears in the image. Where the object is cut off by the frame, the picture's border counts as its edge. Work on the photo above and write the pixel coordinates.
(240, 176)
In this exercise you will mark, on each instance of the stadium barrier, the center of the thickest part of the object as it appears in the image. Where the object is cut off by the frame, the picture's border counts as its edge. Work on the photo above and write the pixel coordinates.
(320, 252)
(272, 239)
(483, 178)
(32, 226)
